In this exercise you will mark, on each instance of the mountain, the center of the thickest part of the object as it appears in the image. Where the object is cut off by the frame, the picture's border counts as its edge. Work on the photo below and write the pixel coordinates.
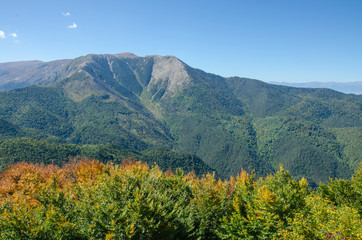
(345, 87)
(21, 74)
(159, 102)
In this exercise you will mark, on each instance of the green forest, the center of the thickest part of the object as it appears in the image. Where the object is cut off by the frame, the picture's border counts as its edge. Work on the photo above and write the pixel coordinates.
(31, 150)
(90, 200)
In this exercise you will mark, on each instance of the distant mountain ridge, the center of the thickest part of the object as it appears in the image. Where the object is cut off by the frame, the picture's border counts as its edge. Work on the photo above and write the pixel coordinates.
(345, 87)
(141, 103)
(21, 74)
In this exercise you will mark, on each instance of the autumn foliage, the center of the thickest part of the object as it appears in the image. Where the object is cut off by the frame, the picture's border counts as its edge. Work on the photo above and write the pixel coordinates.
(90, 200)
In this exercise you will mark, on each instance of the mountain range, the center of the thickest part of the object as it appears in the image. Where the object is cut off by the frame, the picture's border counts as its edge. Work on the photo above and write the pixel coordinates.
(345, 87)
(111, 106)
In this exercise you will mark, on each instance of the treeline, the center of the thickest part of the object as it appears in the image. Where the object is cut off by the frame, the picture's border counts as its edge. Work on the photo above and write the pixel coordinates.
(91, 200)
(45, 152)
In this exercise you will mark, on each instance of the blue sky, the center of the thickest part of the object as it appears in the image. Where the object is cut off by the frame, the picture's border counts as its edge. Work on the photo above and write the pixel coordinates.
(270, 40)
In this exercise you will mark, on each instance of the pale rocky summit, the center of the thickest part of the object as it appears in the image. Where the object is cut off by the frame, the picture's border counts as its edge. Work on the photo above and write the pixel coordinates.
(169, 73)
(126, 55)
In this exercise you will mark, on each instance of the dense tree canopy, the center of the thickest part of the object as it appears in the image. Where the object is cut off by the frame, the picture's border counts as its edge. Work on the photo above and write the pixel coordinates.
(91, 200)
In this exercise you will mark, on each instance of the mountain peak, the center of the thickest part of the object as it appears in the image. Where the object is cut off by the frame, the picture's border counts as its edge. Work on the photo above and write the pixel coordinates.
(169, 74)
(126, 55)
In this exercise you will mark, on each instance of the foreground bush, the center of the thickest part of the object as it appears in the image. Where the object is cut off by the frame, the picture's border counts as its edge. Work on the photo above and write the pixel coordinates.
(90, 200)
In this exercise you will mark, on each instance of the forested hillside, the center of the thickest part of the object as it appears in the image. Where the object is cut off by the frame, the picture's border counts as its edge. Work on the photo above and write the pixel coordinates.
(142, 103)
(31, 150)
(345, 87)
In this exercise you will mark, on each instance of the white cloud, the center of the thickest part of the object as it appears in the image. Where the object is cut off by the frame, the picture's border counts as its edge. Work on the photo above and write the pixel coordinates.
(14, 35)
(2, 35)
(66, 14)
(73, 25)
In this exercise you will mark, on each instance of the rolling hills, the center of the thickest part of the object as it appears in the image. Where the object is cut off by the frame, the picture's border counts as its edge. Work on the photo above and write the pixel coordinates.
(159, 102)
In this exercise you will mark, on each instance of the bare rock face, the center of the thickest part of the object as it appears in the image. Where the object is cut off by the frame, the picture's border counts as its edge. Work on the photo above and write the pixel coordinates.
(168, 76)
